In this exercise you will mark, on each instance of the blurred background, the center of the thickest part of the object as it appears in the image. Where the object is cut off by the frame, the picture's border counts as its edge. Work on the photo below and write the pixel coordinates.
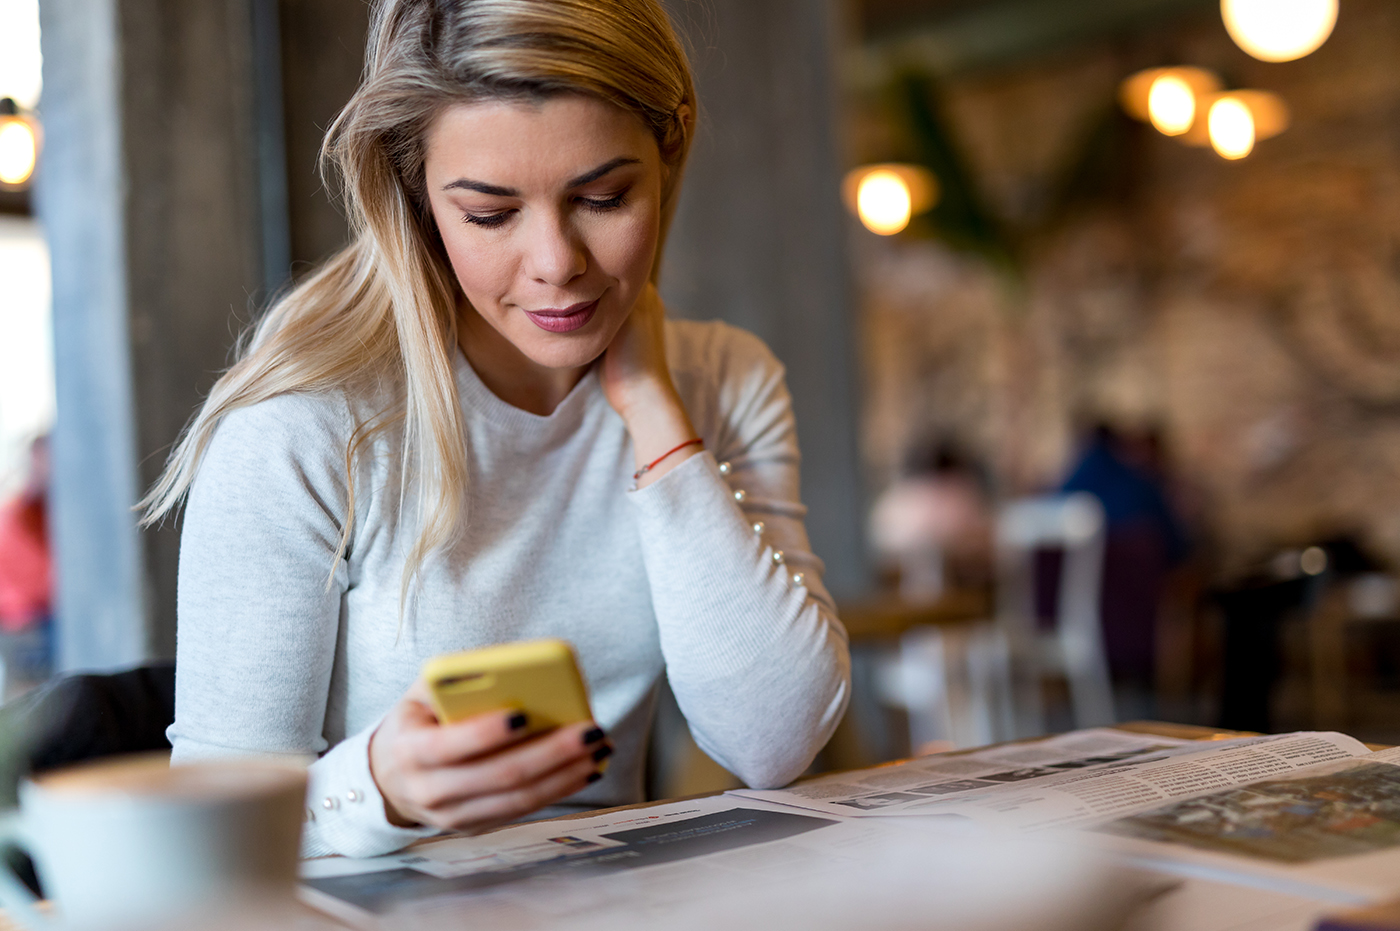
(1090, 310)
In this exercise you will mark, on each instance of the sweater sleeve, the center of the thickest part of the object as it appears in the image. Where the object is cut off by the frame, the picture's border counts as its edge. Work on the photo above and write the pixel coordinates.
(754, 651)
(257, 622)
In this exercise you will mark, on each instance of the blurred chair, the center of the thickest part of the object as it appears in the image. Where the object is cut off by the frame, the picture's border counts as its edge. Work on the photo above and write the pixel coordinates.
(1072, 646)
(979, 682)
(1348, 603)
(76, 718)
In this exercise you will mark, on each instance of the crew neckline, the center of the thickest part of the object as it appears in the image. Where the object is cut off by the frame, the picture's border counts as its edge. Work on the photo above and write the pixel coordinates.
(477, 398)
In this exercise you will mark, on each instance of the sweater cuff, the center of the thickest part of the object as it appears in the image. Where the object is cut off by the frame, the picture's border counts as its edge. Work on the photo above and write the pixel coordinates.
(345, 812)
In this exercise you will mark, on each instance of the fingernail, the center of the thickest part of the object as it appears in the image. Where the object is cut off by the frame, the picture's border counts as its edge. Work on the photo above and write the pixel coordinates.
(602, 753)
(593, 735)
(516, 721)
(594, 777)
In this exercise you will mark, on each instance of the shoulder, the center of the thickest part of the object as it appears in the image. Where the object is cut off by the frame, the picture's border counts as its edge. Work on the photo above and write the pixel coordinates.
(298, 421)
(732, 385)
(720, 356)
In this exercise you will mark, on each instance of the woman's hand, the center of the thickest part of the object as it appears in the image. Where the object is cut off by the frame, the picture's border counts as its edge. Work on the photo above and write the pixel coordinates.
(637, 383)
(478, 773)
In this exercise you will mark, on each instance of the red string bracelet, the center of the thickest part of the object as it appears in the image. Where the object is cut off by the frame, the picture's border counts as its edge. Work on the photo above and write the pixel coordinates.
(657, 461)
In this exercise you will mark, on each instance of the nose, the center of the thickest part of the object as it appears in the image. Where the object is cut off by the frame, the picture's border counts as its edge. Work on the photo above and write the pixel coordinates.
(554, 254)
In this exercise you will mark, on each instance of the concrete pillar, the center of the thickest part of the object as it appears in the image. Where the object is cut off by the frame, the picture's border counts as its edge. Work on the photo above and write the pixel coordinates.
(81, 200)
(152, 201)
(759, 234)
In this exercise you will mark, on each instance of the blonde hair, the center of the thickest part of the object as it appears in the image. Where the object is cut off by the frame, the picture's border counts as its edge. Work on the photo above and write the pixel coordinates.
(383, 309)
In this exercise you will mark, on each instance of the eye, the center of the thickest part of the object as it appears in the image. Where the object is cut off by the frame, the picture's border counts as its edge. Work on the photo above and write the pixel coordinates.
(488, 220)
(603, 204)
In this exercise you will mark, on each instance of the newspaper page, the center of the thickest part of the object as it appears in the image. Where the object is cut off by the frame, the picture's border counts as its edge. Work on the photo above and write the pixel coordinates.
(901, 788)
(621, 840)
(1334, 825)
(732, 863)
(1059, 783)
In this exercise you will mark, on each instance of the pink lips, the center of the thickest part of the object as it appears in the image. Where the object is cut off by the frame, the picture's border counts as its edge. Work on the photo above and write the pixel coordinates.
(565, 320)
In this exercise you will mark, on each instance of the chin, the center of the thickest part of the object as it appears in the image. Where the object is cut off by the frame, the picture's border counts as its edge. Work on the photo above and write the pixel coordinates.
(566, 352)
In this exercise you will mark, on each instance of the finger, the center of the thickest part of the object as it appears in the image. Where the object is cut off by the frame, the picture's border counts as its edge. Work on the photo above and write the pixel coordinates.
(503, 807)
(461, 741)
(511, 768)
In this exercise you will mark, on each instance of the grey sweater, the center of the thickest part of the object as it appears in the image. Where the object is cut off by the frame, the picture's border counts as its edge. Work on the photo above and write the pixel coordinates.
(705, 576)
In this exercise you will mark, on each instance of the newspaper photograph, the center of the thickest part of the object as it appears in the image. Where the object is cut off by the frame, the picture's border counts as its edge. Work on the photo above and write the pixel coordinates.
(1322, 812)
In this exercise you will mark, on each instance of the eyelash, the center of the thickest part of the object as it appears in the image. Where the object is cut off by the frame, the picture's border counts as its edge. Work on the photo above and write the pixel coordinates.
(493, 220)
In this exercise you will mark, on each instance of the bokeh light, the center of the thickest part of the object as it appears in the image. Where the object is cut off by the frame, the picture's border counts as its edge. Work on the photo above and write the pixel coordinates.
(1231, 128)
(1279, 30)
(883, 202)
(18, 151)
(1171, 105)
(886, 196)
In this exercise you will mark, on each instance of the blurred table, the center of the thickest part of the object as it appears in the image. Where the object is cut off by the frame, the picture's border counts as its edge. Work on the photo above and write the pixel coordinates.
(888, 617)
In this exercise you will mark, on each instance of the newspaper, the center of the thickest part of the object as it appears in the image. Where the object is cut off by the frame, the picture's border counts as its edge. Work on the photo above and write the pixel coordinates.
(726, 862)
(1069, 781)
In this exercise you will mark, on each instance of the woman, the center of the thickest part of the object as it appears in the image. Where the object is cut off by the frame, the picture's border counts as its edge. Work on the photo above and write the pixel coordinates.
(474, 425)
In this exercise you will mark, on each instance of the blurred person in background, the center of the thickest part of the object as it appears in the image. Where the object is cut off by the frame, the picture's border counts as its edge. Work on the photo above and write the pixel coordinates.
(26, 574)
(933, 525)
(1145, 542)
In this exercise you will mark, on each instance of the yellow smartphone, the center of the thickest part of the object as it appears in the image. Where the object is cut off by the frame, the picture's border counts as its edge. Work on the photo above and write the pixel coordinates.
(538, 677)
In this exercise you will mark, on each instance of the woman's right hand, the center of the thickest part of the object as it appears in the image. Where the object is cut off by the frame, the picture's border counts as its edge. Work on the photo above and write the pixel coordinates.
(478, 773)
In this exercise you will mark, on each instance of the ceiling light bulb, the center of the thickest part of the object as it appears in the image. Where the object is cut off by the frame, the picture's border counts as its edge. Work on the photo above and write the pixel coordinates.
(1279, 30)
(883, 202)
(1171, 105)
(1231, 128)
(18, 151)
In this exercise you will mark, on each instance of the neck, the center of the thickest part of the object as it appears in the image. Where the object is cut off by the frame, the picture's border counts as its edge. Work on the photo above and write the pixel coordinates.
(507, 372)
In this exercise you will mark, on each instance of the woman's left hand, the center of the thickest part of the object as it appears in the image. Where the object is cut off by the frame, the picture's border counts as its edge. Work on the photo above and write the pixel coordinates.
(637, 383)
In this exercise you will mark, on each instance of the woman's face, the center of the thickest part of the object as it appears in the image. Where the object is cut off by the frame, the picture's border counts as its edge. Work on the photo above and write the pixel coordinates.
(550, 213)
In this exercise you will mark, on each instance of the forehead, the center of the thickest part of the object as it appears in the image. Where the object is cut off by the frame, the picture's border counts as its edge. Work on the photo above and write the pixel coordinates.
(515, 142)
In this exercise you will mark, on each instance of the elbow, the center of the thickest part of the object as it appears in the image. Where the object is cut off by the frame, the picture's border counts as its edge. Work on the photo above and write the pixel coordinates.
(783, 754)
(774, 773)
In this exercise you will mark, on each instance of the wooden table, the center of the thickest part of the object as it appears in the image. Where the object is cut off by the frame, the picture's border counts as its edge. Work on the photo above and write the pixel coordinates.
(889, 617)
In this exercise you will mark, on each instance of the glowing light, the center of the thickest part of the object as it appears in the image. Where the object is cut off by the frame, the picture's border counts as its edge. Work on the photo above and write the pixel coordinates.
(1231, 127)
(1171, 105)
(18, 151)
(883, 202)
(886, 196)
(1279, 30)
(1168, 98)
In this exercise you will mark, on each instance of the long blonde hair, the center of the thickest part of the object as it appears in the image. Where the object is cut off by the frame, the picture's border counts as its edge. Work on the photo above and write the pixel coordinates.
(383, 309)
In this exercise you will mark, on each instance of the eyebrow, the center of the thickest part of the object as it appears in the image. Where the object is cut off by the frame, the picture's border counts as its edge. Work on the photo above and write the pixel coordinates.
(496, 190)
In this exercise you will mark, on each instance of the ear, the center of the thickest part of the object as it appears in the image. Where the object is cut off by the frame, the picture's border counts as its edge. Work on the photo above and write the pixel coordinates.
(685, 115)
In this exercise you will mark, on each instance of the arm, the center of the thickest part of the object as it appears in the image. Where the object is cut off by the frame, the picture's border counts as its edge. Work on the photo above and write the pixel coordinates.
(757, 659)
(257, 622)
(258, 626)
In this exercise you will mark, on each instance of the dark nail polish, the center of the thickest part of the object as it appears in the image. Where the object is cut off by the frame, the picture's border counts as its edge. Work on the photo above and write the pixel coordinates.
(593, 735)
(594, 777)
(517, 720)
(602, 753)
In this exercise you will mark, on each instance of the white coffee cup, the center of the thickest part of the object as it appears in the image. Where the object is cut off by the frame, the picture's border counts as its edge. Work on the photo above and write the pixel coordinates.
(134, 842)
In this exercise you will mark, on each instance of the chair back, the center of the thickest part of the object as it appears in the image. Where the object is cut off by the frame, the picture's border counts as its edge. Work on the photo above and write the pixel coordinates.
(1074, 525)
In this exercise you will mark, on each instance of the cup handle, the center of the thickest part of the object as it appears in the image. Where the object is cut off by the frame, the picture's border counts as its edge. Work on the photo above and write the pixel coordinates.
(19, 903)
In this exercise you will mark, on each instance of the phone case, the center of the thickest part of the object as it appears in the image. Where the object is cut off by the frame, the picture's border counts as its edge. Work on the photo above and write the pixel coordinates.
(538, 677)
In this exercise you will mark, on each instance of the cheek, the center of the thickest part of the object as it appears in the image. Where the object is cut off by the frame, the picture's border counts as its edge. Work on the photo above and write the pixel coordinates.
(629, 250)
(483, 272)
